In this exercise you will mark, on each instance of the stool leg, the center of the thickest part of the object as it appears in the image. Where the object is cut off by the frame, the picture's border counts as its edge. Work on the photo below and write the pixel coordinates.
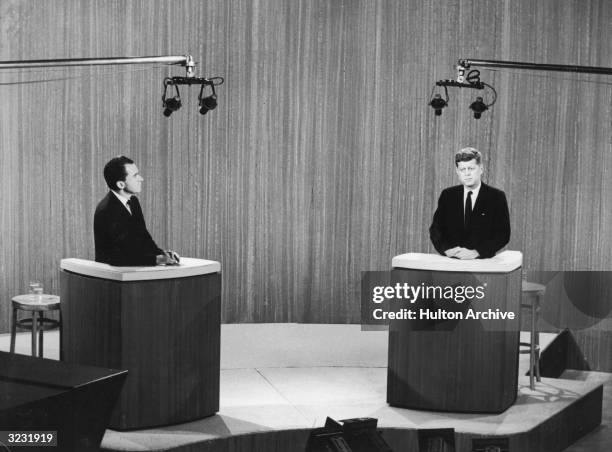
(61, 338)
(34, 325)
(537, 338)
(14, 330)
(40, 335)
(532, 347)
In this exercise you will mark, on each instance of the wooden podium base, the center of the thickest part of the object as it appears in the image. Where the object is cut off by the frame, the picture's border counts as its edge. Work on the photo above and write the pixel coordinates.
(165, 332)
(456, 365)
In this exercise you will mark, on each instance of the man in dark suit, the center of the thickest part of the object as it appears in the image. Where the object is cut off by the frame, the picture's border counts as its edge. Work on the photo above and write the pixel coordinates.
(120, 233)
(472, 220)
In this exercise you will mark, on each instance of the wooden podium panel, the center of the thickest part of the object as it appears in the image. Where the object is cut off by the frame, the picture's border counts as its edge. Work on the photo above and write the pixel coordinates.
(461, 365)
(165, 332)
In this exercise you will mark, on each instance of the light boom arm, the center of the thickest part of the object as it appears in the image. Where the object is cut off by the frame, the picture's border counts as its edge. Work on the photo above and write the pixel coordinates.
(182, 60)
(535, 66)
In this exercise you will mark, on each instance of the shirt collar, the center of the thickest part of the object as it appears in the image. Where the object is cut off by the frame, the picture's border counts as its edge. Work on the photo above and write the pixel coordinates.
(124, 200)
(474, 191)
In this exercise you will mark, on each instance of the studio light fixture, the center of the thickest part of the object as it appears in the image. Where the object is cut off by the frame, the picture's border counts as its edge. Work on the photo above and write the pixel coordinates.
(171, 104)
(437, 103)
(205, 103)
(471, 80)
(478, 107)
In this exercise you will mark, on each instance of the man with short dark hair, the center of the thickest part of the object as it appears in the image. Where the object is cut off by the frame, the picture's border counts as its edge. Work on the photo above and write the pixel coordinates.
(120, 232)
(472, 219)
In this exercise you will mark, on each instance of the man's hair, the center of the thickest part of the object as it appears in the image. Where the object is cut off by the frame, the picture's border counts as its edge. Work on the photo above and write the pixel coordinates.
(114, 171)
(467, 154)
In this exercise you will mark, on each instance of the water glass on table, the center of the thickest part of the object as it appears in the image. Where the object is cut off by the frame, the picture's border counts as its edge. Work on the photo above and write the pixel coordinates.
(36, 289)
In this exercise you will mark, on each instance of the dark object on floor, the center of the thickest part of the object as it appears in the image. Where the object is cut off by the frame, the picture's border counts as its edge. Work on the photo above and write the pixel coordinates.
(348, 435)
(490, 445)
(561, 354)
(75, 401)
(436, 440)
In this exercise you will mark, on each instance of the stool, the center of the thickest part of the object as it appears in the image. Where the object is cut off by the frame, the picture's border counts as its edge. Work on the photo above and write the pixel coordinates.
(534, 292)
(37, 323)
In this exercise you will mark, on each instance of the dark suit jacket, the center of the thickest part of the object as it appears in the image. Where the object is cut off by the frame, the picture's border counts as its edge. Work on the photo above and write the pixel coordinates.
(120, 238)
(488, 229)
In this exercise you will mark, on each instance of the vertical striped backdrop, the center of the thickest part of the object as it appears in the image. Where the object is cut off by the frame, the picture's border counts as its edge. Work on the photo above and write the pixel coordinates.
(323, 159)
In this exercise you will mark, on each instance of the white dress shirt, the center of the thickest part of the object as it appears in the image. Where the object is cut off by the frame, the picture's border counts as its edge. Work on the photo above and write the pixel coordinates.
(123, 200)
(474, 191)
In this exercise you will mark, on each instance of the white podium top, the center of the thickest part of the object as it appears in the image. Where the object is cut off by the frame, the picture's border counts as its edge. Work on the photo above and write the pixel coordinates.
(188, 267)
(504, 262)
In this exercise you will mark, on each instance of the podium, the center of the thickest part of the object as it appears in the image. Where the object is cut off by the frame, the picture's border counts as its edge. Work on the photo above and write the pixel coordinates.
(160, 323)
(445, 359)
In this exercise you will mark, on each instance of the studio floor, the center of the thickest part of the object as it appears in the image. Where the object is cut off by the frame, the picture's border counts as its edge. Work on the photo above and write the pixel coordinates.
(292, 376)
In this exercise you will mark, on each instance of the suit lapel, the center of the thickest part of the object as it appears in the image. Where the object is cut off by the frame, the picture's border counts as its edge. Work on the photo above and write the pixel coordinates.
(118, 206)
(137, 211)
(459, 205)
(481, 200)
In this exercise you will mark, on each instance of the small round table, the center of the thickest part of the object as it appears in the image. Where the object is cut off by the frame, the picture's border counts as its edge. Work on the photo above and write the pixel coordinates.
(37, 305)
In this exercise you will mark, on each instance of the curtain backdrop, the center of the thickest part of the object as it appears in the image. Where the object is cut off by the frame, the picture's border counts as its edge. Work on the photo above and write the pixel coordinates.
(322, 159)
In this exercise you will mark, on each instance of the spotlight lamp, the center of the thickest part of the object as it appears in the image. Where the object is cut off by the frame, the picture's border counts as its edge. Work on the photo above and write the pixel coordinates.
(437, 103)
(206, 103)
(171, 104)
(479, 106)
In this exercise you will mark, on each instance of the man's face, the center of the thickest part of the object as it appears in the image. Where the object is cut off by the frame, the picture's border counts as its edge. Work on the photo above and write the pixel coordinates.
(133, 180)
(469, 173)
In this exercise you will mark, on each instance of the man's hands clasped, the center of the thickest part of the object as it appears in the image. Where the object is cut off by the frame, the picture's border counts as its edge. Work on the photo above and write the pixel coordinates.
(459, 252)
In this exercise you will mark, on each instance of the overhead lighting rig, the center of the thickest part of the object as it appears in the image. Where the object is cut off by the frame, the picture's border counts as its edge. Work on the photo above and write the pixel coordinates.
(171, 102)
(206, 103)
(471, 80)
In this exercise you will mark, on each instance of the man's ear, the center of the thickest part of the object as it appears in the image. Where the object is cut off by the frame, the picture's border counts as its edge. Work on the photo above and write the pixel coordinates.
(120, 184)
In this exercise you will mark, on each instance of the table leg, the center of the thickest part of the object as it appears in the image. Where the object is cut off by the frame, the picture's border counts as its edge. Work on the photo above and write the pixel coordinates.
(14, 330)
(40, 335)
(61, 334)
(532, 350)
(34, 325)
(537, 336)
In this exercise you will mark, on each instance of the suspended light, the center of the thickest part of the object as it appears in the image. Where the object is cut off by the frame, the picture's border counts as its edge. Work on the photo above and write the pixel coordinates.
(171, 104)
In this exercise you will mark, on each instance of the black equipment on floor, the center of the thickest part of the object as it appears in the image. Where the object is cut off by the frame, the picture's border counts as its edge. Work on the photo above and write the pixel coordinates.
(348, 435)
(43, 400)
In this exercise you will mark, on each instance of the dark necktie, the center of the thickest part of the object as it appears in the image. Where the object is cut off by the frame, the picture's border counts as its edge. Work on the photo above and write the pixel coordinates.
(468, 209)
(132, 204)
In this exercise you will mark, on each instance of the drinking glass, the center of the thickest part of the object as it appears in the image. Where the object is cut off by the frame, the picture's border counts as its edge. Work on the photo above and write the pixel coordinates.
(38, 292)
